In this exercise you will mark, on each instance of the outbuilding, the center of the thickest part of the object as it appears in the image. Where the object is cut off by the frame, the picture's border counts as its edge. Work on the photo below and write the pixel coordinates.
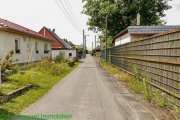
(133, 33)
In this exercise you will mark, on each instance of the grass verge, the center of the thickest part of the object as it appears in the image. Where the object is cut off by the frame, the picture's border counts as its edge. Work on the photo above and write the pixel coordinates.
(43, 77)
(142, 87)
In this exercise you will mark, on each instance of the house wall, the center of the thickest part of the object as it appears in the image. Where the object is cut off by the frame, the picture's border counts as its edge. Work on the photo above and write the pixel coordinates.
(66, 53)
(123, 39)
(128, 38)
(7, 43)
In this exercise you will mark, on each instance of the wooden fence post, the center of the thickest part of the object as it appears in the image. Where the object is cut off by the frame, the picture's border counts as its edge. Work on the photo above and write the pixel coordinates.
(109, 56)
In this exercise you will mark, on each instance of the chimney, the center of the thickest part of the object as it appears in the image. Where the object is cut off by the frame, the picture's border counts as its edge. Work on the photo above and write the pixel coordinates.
(53, 30)
(138, 19)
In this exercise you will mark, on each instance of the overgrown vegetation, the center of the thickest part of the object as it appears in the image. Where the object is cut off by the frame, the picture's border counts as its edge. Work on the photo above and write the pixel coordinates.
(135, 83)
(42, 76)
(60, 57)
(6, 64)
(140, 86)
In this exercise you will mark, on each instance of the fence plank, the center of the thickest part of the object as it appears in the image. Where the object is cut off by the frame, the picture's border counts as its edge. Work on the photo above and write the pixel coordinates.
(158, 56)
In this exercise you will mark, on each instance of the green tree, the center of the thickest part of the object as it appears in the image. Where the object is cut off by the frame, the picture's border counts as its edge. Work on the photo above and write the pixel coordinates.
(122, 13)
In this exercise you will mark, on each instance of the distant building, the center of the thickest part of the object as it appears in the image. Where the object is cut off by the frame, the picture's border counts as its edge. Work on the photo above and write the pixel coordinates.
(27, 45)
(58, 44)
(133, 33)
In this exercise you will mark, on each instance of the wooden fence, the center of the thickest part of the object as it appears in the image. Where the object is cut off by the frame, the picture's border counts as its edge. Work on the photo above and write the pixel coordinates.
(158, 56)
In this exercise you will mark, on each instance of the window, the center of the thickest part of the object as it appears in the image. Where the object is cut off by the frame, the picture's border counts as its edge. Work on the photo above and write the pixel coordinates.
(29, 46)
(70, 54)
(36, 47)
(17, 46)
(46, 48)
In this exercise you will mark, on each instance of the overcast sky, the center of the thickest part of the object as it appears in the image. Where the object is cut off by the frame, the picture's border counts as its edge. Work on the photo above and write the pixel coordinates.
(35, 14)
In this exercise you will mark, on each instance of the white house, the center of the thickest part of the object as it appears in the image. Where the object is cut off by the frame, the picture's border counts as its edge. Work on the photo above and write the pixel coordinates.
(27, 45)
(58, 44)
(133, 33)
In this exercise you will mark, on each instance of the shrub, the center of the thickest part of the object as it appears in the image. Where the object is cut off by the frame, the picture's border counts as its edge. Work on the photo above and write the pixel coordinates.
(7, 66)
(160, 99)
(45, 64)
(75, 59)
(60, 57)
(135, 84)
(56, 69)
(52, 67)
(148, 95)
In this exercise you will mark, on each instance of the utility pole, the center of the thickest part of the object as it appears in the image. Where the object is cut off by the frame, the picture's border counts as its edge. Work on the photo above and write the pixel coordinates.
(85, 47)
(92, 46)
(106, 39)
(95, 41)
(84, 43)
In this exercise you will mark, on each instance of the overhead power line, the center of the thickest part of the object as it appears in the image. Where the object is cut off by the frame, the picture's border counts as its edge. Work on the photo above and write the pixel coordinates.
(67, 15)
(71, 11)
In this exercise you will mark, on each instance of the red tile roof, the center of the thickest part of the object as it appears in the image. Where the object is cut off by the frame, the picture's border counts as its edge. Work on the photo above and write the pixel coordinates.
(7, 25)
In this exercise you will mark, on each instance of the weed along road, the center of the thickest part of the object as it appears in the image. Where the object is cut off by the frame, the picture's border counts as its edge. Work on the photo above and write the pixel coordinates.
(89, 93)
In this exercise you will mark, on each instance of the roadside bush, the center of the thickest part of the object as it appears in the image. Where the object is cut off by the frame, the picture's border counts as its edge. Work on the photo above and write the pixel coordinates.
(135, 84)
(60, 57)
(52, 67)
(75, 59)
(7, 66)
(148, 94)
(159, 98)
(45, 64)
(56, 69)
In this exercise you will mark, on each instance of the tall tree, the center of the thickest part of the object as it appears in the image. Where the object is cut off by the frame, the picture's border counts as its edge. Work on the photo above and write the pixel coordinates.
(122, 13)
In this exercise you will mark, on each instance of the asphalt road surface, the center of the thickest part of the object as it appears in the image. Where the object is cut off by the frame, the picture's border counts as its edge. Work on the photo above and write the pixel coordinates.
(89, 93)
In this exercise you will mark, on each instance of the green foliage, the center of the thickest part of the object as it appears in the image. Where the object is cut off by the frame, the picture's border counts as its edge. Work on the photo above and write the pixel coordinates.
(176, 112)
(122, 13)
(118, 74)
(43, 76)
(159, 98)
(135, 84)
(60, 57)
(148, 94)
(51, 67)
(7, 66)
(135, 72)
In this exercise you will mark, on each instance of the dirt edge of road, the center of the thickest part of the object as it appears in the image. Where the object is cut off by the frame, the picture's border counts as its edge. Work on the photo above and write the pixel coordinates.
(159, 113)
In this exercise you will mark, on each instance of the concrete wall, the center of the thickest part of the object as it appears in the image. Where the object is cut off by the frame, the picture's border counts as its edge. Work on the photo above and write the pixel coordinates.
(123, 39)
(66, 53)
(7, 43)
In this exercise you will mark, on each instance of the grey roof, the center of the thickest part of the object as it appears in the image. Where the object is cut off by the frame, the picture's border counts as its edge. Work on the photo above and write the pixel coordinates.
(66, 45)
(150, 29)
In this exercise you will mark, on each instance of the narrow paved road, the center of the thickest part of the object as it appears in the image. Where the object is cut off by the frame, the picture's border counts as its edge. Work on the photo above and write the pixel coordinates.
(89, 93)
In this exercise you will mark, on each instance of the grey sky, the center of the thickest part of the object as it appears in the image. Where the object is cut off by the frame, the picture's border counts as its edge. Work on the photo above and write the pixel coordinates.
(35, 14)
